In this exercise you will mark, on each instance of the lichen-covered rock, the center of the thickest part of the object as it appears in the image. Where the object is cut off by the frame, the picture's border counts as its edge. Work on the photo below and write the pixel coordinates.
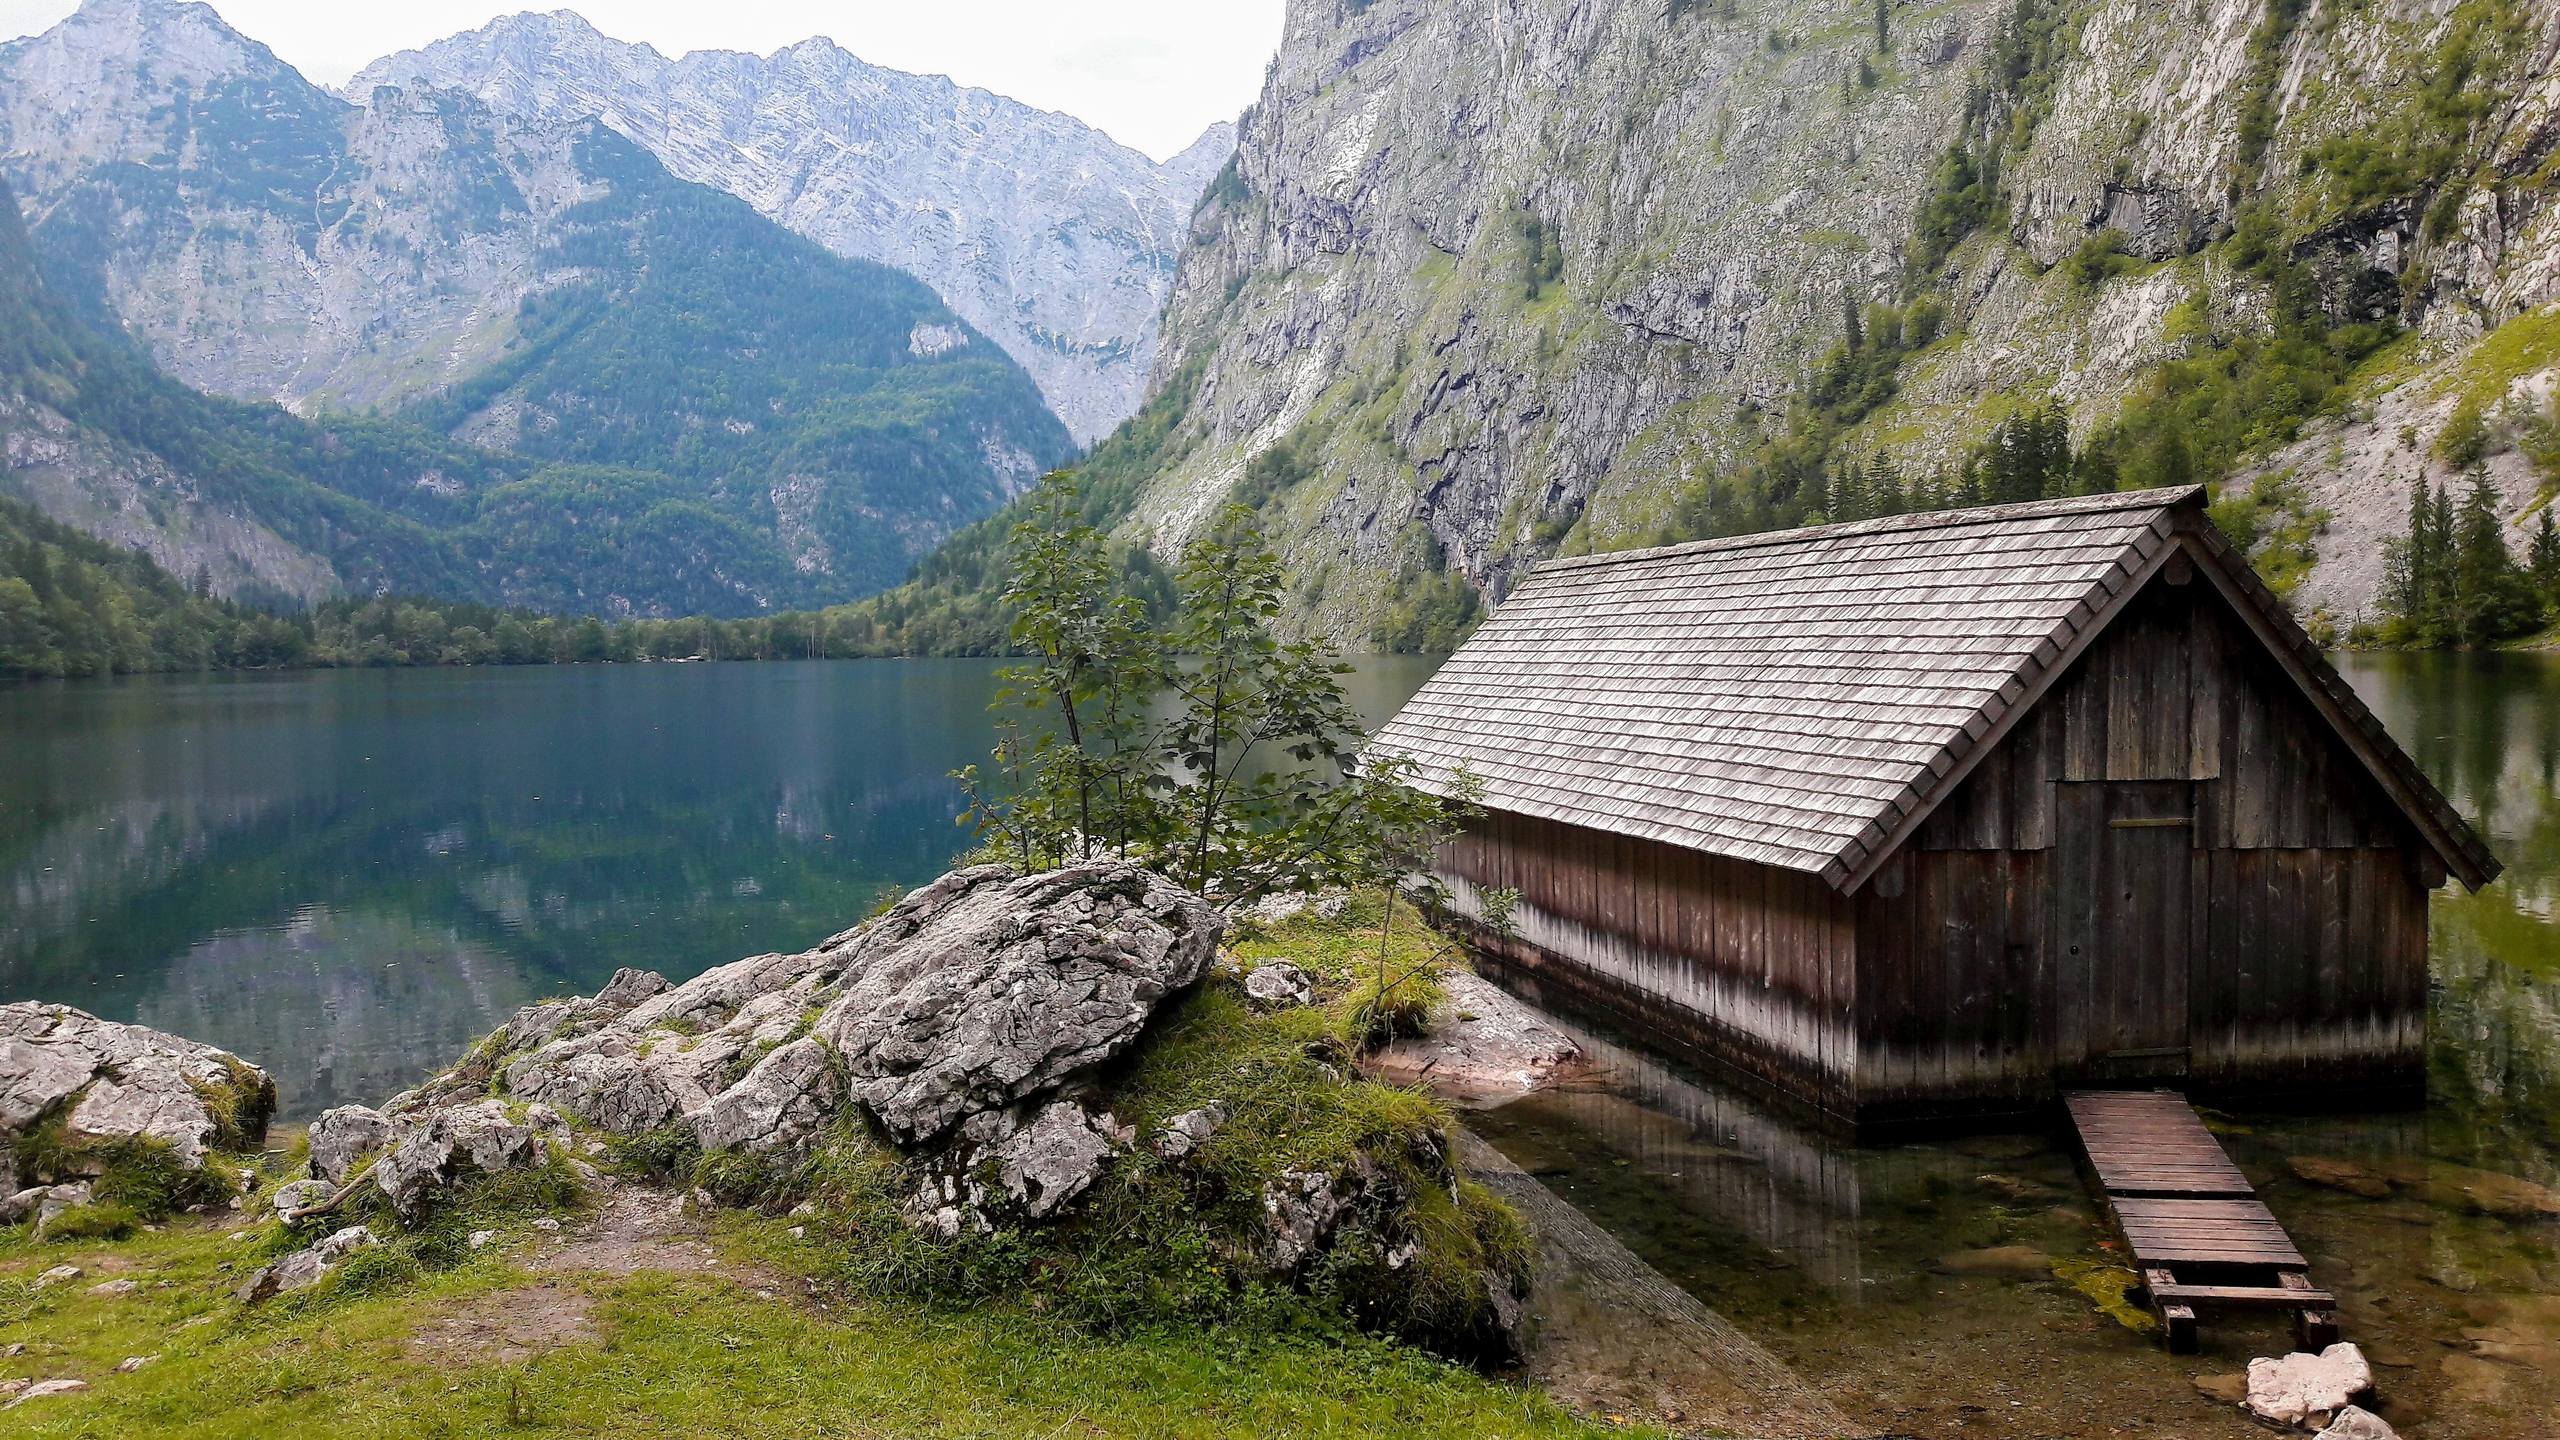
(295, 1194)
(1300, 1209)
(985, 989)
(1008, 1167)
(305, 1267)
(1190, 1130)
(344, 1138)
(780, 1104)
(974, 994)
(434, 1150)
(2303, 1388)
(1277, 983)
(103, 1082)
(665, 1059)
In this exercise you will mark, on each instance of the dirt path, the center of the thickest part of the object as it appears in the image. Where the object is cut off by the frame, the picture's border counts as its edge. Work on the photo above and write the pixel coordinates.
(636, 1229)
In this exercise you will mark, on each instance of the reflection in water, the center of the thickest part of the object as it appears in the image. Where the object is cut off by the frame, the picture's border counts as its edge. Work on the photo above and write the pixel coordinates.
(352, 876)
(1927, 1287)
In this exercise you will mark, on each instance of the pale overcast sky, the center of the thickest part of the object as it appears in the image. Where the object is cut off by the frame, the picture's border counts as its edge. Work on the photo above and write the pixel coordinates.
(1153, 73)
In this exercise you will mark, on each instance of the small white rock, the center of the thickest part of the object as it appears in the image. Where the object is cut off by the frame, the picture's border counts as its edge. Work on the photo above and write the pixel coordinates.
(131, 1363)
(57, 1275)
(2357, 1423)
(481, 1238)
(799, 1232)
(43, 1388)
(547, 1225)
(114, 1287)
(2292, 1390)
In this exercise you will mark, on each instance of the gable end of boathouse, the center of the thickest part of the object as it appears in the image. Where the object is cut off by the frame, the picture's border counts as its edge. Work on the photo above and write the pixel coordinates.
(1940, 814)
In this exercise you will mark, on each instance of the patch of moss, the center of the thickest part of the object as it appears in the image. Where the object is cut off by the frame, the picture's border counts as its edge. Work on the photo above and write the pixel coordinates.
(99, 1220)
(2111, 1288)
(241, 1105)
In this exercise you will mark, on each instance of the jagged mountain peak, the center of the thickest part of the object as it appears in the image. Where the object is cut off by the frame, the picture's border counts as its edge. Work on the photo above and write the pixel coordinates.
(120, 60)
(178, 38)
(1050, 237)
(1207, 155)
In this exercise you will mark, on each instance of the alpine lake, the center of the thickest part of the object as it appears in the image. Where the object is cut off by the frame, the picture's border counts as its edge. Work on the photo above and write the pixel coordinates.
(351, 876)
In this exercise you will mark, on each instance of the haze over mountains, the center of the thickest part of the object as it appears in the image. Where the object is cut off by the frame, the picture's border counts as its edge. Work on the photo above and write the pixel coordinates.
(1051, 238)
(696, 409)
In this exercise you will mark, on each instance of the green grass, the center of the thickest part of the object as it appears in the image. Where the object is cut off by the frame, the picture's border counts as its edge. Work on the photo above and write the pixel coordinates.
(1134, 1318)
(2526, 345)
(695, 1355)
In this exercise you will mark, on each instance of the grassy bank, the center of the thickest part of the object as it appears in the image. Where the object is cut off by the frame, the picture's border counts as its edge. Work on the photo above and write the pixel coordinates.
(666, 1353)
(749, 1323)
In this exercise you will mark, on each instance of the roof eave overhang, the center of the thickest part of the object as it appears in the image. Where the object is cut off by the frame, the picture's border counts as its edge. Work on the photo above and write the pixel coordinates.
(2185, 530)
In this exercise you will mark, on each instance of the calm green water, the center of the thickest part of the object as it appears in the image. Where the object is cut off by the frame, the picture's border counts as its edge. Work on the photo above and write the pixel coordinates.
(350, 876)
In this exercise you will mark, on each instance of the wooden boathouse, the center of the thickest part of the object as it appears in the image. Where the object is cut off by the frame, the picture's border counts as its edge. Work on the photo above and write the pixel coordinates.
(1942, 814)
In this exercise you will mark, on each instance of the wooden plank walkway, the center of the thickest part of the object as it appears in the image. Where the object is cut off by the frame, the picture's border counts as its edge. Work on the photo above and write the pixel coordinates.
(2190, 1219)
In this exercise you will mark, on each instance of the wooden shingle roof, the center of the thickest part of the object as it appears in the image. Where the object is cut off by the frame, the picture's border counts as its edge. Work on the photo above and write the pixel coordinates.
(1802, 699)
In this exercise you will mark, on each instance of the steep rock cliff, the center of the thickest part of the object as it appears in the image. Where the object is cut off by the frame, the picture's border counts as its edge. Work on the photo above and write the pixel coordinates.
(1494, 277)
(1044, 233)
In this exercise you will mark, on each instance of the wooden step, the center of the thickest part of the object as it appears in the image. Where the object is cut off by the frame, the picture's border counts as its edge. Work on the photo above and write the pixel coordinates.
(2270, 1297)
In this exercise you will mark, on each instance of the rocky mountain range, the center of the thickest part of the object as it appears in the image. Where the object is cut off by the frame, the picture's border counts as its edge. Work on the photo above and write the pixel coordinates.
(1494, 278)
(615, 391)
(1045, 234)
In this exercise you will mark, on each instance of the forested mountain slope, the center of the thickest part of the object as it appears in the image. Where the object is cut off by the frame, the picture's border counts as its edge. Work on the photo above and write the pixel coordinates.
(1494, 278)
(1044, 233)
(742, 420)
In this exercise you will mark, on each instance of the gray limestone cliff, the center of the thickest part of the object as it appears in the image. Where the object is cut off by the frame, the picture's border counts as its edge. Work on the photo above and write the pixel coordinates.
(1509, 275)
(1056, 241)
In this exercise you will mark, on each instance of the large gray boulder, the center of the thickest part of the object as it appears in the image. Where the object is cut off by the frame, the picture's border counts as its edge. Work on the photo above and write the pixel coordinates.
(433, 1150)
(781, 1104)
(977, 993)
(344, 1138)
(984, 989)
(665, 1060)
(952, 1022)
(107, 1082)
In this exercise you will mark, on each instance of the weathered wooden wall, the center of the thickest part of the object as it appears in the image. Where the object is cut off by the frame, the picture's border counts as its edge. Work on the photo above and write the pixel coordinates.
(2174, 780)
(1749, 964)
(2170, 867)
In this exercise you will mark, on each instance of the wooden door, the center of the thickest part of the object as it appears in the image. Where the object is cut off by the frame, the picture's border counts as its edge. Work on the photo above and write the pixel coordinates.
(2124, 862)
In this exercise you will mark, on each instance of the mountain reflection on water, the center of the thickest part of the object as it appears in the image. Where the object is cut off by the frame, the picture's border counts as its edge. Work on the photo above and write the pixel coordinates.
(351, 876)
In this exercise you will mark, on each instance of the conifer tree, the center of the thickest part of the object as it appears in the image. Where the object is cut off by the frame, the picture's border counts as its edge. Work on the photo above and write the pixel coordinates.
(2543, 561)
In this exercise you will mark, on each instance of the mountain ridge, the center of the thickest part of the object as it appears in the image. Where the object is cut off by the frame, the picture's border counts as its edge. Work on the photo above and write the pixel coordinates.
(765, 422)
(1493, 280)
(1041, 231)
